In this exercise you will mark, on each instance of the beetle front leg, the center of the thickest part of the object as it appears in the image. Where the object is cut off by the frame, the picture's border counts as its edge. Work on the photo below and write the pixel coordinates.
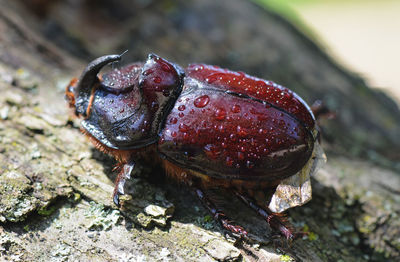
(123, 175)
(275, 220)
(220, 216)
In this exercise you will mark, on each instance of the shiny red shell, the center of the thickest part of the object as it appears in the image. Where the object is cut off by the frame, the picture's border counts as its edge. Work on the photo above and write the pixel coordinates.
(227, 124)
(220, 123)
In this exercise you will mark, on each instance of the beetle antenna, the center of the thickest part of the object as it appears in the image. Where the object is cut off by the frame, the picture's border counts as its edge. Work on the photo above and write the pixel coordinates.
(113, 63)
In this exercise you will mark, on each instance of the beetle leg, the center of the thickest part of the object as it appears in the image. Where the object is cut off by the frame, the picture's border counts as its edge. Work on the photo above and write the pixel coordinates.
(320, 110)
(220, 216)
(123, 175)
(276, 221)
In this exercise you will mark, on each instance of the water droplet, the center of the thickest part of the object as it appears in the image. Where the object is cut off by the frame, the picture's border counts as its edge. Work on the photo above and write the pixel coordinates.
(157, 79)
(183, 127)
(181, 114)
(242, 132)
(148, 72)
(181, 107)
(220, 114)
(174, 134)
(236, 108)
(201, 101)
(173, 120)
(288, 95)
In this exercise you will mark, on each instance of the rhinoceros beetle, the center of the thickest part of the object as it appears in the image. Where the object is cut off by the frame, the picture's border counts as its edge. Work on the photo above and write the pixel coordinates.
(208, 127)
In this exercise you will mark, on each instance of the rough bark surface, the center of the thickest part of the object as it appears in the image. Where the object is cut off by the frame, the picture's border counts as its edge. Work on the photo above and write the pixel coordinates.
(55, 189)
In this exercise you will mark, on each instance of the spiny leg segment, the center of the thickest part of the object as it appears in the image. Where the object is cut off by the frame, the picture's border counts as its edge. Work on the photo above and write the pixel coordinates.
(123, 175)
(220, 216)
(275, 220)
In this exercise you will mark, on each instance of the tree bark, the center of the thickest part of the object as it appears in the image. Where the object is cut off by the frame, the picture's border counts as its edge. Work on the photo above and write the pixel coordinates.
(55, 189)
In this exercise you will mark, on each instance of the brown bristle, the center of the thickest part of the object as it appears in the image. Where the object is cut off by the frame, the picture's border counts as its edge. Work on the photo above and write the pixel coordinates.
(122, 156)
(69, 95)
(91, 99)
(186, 175)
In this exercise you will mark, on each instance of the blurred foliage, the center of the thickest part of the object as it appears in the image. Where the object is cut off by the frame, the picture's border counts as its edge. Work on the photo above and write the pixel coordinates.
(287, 8)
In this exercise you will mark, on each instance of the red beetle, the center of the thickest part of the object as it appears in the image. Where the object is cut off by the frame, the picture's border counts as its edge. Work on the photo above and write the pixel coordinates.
(208, 127)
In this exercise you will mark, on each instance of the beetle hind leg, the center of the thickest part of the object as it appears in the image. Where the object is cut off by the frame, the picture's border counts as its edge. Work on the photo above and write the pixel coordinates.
(276, 221)
(123, 175)
(220, 216)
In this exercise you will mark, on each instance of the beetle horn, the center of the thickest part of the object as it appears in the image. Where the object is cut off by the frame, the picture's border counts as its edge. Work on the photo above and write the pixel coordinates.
(88, 78)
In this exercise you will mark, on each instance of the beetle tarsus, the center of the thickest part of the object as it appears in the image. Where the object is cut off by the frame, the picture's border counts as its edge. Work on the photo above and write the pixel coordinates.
(116, 199)
(221, 217)
(276, 221)
(123, 175)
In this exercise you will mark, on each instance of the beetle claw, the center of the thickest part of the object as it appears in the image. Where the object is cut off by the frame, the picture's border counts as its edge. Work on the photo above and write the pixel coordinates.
(116, 199)
(276, 221)
(118, 190)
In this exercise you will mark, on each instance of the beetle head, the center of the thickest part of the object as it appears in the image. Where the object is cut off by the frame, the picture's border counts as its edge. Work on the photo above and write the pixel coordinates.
(126, 107)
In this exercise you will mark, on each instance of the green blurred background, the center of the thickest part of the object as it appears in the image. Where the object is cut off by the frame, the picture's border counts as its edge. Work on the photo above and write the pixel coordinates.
(362, 35)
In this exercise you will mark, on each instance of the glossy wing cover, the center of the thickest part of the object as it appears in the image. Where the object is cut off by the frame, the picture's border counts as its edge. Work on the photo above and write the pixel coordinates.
(231, 125)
